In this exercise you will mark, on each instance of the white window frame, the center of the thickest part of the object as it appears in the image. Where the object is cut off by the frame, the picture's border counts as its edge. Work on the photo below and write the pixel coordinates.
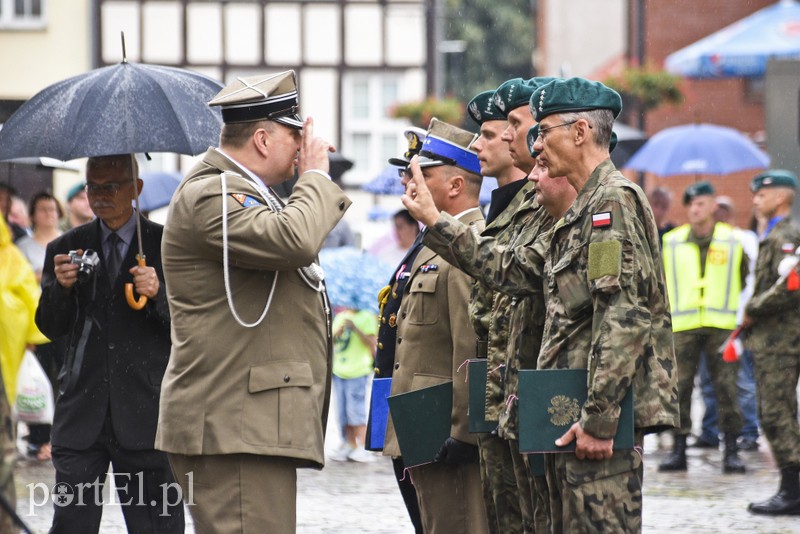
(10, 21)
(376, 124)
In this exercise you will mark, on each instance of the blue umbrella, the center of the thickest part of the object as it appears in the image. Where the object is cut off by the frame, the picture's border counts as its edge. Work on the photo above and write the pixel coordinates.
(743, 48)
(158, 189)
(388, 182)
(353, 277)
(698, 149)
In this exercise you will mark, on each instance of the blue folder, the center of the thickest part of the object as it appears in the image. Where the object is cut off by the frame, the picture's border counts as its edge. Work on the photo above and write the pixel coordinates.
(378, 413)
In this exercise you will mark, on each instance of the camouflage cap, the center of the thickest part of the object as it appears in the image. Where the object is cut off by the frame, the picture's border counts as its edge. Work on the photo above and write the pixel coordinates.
(697, 190)
(446, 144)
(573, 94)
(415, 136)
(774, 178)
(516, 92)
(481, 108)
(533, 133)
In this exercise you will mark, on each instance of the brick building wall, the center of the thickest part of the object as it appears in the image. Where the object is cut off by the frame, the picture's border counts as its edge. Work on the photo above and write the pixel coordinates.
(669, 26)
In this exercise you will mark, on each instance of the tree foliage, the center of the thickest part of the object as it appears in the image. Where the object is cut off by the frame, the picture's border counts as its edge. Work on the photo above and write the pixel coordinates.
(499, 40)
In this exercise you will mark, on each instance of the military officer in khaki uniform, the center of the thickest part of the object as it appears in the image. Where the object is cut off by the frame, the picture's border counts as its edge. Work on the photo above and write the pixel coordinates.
(244, 400)
(606, 308)
(771, 319)
(435, 337)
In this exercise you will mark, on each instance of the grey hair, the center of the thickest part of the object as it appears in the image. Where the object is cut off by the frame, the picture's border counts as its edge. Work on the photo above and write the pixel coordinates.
(600, 120)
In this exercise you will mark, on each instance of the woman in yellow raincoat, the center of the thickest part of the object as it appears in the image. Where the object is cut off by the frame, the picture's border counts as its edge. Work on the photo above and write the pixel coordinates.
(19, 296)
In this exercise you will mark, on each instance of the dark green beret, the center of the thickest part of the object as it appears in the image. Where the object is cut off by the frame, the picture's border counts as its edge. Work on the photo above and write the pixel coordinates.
(533, 133)
(517, 92)
(74, 190)
(697, 189)
(774, 178)
(571, 95)
(481, 108)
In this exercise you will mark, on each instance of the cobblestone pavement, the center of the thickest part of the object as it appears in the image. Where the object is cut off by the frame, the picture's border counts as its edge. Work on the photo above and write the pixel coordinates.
(349, 498)
(355, 498)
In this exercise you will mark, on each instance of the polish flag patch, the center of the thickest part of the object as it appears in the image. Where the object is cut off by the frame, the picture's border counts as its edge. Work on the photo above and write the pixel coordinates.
(787, 248)
(601, 220)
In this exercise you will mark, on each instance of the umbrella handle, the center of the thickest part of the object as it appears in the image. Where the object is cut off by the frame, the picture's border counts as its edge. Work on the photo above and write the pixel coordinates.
(133, 302)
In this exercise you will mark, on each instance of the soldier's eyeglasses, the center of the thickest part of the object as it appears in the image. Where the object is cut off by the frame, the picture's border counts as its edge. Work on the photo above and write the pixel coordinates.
(543, 131)
(404, 173)
(110, 188)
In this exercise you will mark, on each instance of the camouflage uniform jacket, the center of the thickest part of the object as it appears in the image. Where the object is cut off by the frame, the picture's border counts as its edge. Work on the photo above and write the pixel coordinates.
(772, 306)
(612, 319)
(485, 259)
(491, 311)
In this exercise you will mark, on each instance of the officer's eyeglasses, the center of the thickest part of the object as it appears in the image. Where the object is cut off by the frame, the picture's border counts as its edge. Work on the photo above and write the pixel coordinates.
(543, 131)
(404, 173)
(109, 188)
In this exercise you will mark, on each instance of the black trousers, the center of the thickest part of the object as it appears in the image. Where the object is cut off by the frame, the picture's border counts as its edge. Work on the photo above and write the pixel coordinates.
(408, 492)
(146, 489)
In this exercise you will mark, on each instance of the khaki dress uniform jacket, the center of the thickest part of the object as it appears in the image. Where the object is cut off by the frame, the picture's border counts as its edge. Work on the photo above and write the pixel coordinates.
(230, 389)
(435, 336)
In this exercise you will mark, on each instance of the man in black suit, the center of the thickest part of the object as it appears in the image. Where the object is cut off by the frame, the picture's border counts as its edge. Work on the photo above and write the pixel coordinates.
(107, 407)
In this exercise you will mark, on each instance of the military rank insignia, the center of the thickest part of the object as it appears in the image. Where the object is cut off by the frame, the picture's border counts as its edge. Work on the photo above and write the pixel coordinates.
(601, 220)
(428, 267)
(245, 200)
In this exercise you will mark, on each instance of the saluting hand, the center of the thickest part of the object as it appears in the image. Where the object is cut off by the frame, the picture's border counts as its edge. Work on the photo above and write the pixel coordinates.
(145, 281)
(587, 446)
(66, 272)
(313, 150)
(417, 198)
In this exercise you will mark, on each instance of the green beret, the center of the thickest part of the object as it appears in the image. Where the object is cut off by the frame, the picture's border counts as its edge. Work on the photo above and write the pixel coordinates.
(533, 133)
(697, 189)
(774, 178)
(74, 190)
(517, 92)
(571, 95)
(481, 108)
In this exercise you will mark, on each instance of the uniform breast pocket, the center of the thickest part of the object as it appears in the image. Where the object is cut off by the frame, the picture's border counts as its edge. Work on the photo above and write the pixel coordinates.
(422, 308)
(569, 273)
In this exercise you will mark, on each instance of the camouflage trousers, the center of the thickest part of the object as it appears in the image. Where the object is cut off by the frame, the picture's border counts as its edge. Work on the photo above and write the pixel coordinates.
(500, 493)
(689, 346)
(588, 496)
(534, 470)
(776, 385)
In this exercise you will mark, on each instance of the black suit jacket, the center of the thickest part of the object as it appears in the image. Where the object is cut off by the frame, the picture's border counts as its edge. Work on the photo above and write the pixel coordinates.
(126, 351)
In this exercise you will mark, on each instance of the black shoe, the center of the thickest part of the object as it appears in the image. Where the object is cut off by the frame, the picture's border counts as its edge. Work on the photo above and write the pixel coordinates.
(778, 504)
(676, 461)
(702, 443)
(747, 443)
(786, 501)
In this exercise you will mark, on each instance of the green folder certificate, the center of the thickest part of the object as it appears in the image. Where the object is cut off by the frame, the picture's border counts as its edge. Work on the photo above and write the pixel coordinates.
(422, 422)
(550, 401)
(476, 410)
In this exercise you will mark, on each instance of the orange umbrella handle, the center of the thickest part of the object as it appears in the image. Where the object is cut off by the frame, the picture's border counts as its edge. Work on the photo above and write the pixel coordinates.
(132, 302)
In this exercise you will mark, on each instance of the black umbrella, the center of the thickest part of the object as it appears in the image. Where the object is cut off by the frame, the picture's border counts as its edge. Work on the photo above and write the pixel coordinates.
(121, 109)
(125, 108)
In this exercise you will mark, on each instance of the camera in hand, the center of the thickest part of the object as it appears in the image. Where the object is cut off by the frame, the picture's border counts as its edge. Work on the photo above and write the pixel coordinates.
(87, 262)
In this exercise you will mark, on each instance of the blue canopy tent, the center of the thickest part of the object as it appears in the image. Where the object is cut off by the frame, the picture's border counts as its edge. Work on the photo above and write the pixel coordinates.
(743, 48)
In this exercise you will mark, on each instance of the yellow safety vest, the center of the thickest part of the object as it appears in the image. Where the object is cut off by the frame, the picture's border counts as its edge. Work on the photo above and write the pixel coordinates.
(699, 301)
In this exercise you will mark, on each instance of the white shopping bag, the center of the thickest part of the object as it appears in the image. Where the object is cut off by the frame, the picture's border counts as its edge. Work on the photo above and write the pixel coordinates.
(34, 404)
